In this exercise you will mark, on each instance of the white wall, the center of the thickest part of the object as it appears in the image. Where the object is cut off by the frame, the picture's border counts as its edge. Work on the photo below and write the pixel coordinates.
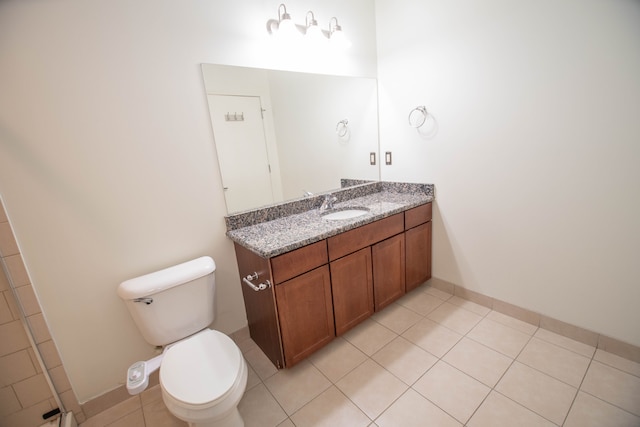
(107, 164)
(537, 148)
(307, 109)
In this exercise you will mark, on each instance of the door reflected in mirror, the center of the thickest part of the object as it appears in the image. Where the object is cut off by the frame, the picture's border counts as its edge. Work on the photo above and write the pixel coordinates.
(281, 134)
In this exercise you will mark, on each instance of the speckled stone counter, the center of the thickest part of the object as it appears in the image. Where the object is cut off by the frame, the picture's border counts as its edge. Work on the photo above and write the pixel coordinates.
(281, 228)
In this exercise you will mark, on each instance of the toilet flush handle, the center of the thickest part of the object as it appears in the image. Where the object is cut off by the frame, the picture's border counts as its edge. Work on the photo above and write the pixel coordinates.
(146, 300)
(260, 286)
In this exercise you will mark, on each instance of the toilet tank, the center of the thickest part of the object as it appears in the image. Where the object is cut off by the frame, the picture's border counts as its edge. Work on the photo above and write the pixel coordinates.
(173, 303)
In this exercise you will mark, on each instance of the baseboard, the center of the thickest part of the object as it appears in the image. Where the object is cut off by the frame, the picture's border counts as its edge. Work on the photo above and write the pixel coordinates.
(600, 341)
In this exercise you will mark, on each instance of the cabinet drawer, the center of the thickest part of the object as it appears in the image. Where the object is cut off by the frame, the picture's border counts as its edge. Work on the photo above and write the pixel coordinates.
(296, 262)
(367, 235)
(417, 216)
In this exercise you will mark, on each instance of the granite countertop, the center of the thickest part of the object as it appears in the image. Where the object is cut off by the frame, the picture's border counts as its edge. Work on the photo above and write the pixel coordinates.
(280, 235)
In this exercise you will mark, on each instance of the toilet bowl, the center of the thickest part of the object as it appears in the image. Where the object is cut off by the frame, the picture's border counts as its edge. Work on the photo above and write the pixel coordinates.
(203, 374)
(203, 378)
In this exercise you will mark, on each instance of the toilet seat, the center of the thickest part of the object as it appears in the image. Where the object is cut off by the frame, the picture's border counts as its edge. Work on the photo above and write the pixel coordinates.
(201, 370)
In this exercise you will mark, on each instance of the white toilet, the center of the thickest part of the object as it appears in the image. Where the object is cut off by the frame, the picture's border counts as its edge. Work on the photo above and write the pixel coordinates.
(203, 374)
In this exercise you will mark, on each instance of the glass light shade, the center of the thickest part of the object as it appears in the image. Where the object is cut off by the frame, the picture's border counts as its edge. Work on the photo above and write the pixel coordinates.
(286, 28)
(339, 40)
(314, 34)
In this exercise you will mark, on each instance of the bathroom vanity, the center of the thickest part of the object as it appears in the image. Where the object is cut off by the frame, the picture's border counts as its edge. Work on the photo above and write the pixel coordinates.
(307, 279)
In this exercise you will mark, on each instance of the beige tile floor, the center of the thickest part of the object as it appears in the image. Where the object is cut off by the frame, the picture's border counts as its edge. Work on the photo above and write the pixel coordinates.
(430, 359)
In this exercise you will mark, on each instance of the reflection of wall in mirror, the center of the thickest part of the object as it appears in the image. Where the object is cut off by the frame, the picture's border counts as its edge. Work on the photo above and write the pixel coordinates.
(302, 111)
(307, 108)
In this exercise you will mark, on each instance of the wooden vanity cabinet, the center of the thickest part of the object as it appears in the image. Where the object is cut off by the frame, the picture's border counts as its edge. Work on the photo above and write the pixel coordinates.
(326, 288)
(418, 245)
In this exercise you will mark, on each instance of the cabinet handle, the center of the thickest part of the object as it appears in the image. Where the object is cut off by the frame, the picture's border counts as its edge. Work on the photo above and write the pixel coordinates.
(260, 286)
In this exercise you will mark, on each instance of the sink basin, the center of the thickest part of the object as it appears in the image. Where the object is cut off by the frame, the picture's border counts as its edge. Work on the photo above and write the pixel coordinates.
(346, 213)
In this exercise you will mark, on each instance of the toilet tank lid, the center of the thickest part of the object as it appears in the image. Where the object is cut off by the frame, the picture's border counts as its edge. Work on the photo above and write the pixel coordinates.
(159, 281)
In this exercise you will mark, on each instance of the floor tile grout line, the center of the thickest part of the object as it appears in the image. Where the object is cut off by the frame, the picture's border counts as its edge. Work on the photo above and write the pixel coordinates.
(573, 401)
(392, 403)
(262, 381)
(513, 360)
(593, 359)
(438, 406)
(527, 408)
(370, 357)
(549, 375)
(280, 404)
(615, 367)
(563, 347)
(578, 389)
(464, 373)
(334, 384)
(609, 403)
(315, 397)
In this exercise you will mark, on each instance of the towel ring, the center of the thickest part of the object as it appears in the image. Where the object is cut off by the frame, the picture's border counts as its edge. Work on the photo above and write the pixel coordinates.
(422, 110)
(342, 128)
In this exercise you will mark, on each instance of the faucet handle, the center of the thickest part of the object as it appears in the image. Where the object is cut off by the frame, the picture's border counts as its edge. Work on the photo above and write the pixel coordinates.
(329, 200)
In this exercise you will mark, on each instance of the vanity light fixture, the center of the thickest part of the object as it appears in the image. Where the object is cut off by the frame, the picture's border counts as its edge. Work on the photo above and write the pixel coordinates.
(285, 28)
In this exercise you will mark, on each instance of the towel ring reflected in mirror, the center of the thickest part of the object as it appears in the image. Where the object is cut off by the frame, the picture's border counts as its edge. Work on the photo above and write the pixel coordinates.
(418, 116)
(342, 128)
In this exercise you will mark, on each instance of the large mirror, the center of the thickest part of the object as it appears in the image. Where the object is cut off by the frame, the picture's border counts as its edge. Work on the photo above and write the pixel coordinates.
(280, 135)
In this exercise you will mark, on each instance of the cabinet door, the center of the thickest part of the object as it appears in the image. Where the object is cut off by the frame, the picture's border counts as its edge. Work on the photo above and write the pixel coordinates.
(352, 287)
(418, 247)
(388, 271)
(306, 314)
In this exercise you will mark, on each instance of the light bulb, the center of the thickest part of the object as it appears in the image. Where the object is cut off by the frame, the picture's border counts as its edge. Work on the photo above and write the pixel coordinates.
(287, 28)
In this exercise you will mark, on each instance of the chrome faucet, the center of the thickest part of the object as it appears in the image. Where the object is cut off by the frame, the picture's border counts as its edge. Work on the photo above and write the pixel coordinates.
(328, 202)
